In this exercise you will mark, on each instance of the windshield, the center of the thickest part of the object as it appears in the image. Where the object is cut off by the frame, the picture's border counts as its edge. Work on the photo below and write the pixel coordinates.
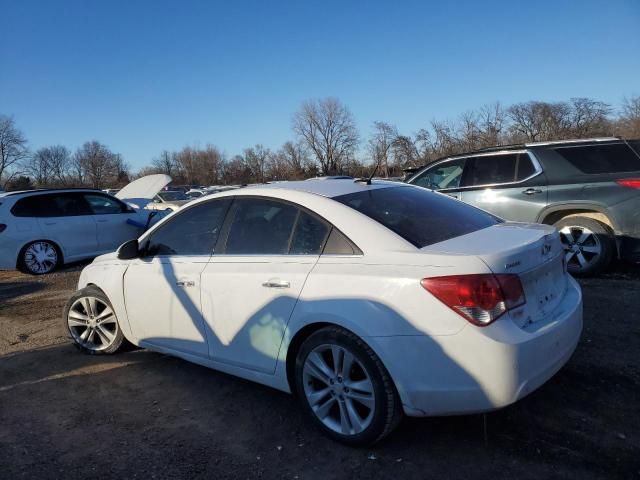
(172, 196)
(419, 216)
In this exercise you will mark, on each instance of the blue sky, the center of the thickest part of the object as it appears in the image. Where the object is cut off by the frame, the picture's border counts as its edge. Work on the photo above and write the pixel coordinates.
(143, 76)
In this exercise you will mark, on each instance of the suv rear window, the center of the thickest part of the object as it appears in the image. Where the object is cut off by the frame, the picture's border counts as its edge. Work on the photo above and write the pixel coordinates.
(419, 216)
(611, 158)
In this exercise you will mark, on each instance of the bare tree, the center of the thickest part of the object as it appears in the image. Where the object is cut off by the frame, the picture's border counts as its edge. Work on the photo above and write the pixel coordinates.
(256, 159)
(589, 117)
(48, 166)
(405, 151)
(296, 157)
(629, 122)
(96, 163)
(165, 163)
(381, 143)
(13, 145)
(328, 129)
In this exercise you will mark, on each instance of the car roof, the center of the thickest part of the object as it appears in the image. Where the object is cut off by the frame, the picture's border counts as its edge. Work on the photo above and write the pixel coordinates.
(49, 190)
(331, 189)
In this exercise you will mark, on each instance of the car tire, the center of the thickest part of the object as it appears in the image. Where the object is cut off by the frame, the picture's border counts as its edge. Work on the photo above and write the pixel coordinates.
(589, 244)
(356, 405)
(91, 322)
(39, 257)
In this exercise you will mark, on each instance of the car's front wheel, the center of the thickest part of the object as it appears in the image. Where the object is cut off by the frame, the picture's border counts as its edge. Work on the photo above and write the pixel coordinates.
(91, 322)
(345, 387)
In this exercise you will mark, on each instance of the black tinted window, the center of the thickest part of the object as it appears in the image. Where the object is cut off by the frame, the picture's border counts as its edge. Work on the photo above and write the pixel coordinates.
(309, 235)
(419, 216)
(51, 205)
(261, 227)
(102, 204)
(615, 157)
(491, 169)
(193, 231)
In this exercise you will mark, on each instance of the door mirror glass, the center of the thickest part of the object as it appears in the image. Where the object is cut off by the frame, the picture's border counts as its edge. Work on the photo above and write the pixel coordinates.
(129, 250)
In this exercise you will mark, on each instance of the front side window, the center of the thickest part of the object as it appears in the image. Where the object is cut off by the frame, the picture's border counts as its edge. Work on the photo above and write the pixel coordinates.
(441, 176)
(611, 158)
(419, 216)
(103, 205)
(261, 227)
(193, 231)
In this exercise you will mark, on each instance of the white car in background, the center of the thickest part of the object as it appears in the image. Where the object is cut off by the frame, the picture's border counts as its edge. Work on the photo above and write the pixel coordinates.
(43, 229)
(170, 200)
(369, 301)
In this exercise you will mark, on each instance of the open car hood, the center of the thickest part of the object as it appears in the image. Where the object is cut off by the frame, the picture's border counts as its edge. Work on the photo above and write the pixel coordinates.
(141, 191)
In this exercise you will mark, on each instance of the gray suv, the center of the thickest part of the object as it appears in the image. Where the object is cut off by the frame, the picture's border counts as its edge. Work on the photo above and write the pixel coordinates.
(589, 189)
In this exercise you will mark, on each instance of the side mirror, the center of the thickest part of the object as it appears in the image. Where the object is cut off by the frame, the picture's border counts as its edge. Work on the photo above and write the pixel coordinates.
(129, 250)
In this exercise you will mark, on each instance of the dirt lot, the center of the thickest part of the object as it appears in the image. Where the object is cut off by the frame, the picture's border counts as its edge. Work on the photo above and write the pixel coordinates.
(140, 414)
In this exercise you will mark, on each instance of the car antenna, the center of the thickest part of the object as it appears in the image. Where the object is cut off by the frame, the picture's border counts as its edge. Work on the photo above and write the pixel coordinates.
(368, 180)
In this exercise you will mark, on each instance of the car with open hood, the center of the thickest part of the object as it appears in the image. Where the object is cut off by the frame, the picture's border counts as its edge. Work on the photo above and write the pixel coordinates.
(41, 230)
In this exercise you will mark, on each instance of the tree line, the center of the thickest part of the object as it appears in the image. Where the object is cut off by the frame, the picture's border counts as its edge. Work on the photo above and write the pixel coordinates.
(326, 141)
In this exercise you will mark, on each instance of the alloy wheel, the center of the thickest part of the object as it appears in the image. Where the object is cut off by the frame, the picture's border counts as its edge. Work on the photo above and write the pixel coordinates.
(40, 257)
(92, 323)
(339, 389)
(582, 246)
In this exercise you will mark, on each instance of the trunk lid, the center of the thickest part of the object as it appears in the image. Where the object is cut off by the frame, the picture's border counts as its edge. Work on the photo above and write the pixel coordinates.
(532, 251)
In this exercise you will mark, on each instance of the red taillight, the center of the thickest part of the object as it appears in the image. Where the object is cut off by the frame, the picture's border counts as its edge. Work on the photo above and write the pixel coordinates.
(3, 227)
(629, 182)
(481, 299)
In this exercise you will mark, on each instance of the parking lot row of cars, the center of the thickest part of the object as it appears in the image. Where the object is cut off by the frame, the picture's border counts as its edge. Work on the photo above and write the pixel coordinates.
(370, 300)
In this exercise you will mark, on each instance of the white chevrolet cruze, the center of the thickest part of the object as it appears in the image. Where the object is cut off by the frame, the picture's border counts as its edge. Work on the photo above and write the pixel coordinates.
(369, 301)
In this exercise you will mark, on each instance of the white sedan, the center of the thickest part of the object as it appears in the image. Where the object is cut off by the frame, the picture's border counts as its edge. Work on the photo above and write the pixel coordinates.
(369, 301)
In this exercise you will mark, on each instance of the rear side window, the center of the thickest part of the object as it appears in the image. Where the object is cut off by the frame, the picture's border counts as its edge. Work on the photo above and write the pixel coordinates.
(193, 231)
(419, 216)
(491, 169)
(261, 227)
(611, 158)
(309, 235)
(51, 205)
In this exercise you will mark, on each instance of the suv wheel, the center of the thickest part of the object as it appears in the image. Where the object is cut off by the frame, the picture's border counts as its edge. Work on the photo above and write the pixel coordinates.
(588, 243)
(345, 388)
(39, 257)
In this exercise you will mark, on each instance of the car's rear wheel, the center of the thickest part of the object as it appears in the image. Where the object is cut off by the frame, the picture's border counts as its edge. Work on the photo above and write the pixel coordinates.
(345, 387)
(91, 322)
(39, 257)
(588, 243)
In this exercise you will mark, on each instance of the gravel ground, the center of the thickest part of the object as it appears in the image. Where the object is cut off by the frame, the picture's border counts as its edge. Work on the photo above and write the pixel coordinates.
(141, 414)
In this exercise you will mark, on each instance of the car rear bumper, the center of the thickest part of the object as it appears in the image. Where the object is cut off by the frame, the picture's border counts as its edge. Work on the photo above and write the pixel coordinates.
(481, 369)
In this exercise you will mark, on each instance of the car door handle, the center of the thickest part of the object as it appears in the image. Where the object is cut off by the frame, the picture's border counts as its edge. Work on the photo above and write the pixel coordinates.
(50, 223)
(531, 191)
(102, 220)
(186, 283)
(276, 283)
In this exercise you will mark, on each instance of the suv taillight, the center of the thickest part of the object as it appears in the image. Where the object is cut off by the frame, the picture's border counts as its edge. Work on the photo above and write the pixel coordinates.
(480, 299)
(3, 227)
(629, 182)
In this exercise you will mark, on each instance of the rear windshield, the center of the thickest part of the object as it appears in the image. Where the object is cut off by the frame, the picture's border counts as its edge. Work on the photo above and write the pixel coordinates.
(418, 215)
(611, 158)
